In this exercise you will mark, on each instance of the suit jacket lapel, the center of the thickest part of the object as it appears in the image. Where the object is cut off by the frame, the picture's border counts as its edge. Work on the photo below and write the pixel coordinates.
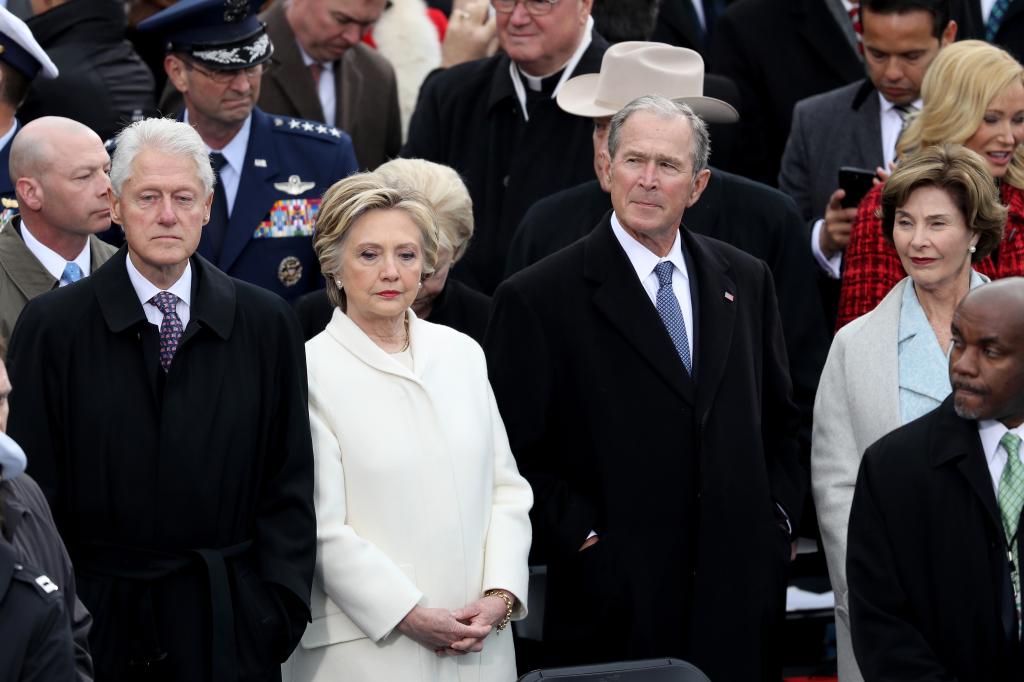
(348, 84)
(955, 441)
(683, 16)
(292, 75)
(622, 299)
(252, 200)
(866, 137)
(818, 27)
(714, 325)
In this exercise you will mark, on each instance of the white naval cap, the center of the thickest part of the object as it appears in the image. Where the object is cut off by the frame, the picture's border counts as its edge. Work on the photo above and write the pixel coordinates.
(18, 47)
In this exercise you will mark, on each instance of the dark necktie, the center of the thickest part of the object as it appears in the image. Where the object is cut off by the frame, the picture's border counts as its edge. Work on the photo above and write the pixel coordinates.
(995, 19)
(170, 327)
(217, 228)
(671, 314)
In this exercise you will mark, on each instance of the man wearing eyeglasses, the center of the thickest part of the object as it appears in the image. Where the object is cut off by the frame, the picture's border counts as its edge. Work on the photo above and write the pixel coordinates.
(495, 121)
(326, 73)
(271, 170)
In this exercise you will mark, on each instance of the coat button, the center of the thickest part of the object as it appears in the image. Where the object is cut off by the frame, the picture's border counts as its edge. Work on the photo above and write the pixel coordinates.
(504, 181)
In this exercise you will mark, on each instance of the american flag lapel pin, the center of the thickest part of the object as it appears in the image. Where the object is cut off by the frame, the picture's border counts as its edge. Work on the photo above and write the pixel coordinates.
(729, 297)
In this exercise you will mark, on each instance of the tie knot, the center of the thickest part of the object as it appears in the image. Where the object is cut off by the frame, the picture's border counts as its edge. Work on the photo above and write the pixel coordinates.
(664, 272)
(1011, 443)
(905, 110)
(218, 161)
(165, 301)
(72, 273)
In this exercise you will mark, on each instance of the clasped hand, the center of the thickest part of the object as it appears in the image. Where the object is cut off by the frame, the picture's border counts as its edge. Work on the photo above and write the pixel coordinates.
(454, 633)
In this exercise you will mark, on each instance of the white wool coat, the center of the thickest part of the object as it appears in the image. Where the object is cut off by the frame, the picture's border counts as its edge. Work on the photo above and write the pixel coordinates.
(418, 501)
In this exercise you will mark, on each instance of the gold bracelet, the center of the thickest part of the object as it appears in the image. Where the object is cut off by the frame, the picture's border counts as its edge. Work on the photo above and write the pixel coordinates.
(507, 598)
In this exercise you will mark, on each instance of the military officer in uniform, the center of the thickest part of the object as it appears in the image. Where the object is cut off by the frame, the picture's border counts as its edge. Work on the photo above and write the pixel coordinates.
(21, 60)
(34, 627)
(271, 170)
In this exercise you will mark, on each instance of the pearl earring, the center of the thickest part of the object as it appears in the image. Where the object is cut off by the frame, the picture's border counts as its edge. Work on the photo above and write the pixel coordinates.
(972, 249)
(337, 283)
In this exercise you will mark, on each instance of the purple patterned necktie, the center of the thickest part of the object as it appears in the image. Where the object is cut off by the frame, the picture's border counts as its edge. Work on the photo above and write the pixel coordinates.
(170, 327)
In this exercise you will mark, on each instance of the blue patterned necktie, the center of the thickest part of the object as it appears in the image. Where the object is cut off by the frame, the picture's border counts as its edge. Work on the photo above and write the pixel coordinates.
(1011, 502)
(170, 327)
(995, 19)
(671, 315)
(72, 273)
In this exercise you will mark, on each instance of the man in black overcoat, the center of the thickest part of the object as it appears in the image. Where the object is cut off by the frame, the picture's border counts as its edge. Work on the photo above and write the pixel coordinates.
(663, 463)
(931, 548)
(495, 121)
(164, 404)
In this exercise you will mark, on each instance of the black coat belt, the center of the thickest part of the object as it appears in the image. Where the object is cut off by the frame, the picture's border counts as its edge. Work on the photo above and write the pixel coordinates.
(142, 565)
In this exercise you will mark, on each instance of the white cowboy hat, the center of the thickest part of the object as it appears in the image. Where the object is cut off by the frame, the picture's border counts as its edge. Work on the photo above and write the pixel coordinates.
(633, 69)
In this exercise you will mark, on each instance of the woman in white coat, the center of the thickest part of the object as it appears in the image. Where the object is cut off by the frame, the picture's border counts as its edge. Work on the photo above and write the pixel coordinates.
(422, 516)
(941, 211)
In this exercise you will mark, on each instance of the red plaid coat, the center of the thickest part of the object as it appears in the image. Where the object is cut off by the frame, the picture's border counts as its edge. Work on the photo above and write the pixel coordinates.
(872, 267)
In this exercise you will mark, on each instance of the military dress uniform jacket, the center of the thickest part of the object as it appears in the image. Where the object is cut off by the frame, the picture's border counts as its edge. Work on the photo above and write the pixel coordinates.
(33, 628)
(23, 277)
(468, 118)
(288, 166)
(189, 516)
(29, 527)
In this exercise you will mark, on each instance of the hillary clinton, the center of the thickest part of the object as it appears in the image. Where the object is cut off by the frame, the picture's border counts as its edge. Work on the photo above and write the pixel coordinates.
(422, 516)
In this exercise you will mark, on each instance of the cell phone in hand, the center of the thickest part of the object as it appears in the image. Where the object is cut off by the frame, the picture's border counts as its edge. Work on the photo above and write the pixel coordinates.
(856, 182)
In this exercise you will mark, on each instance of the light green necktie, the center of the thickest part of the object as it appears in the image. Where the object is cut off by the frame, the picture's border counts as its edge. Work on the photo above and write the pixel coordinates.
(1011, 501)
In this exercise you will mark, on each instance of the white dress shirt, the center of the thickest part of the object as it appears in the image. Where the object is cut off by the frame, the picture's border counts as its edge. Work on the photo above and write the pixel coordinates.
(991, 432)
(892, 126)
(234, 155)
(644, 261)
(325, 86)
(50, 259)
(146, 290)
(986, 9)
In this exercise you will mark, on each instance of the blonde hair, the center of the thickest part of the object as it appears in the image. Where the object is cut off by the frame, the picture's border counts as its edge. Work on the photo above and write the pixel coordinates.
(960, 84)
(442, 187)
(964, 176)
(350, 199)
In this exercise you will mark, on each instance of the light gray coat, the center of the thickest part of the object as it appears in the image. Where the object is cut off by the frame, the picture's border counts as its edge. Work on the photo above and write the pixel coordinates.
(857, 403)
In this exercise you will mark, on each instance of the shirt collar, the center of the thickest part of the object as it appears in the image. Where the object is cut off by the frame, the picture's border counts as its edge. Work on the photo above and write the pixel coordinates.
(643, 259)
(50, 259)
(146, 290)
(9, 134)
(570, 66)
(326, 67)
(234, 151)
(991, 432)
(913, 320)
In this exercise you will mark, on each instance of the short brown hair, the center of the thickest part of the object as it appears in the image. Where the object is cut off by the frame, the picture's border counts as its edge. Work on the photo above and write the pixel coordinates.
(350, 199)
(963, 175)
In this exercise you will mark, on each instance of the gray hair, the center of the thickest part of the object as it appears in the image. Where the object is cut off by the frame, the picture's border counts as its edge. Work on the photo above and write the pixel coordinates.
(161, 134)
(663, 107)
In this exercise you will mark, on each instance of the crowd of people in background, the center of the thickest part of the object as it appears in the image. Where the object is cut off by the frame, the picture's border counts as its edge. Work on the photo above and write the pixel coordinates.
(639, 291)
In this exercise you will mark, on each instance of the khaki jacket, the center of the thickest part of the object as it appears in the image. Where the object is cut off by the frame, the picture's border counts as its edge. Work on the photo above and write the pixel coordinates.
(23, 277)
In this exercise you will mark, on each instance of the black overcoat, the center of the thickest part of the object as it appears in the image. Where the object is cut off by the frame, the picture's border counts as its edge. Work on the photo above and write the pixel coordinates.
(751, 216)
(678, 477)
(929, 580)
(468, 117)
(185, 499)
